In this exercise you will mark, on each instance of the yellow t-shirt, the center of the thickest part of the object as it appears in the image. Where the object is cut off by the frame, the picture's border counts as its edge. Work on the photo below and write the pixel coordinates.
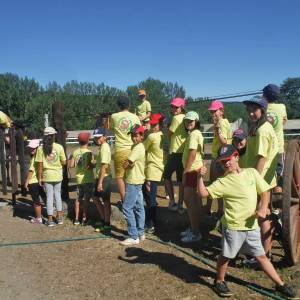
(239, 193)
(143, 108)
(179, 134)
(33, 167)
(136, 174)
(154, 156)
(265, 144)
(227, 135)
(82, 157)
(103, 157)
(194, 142)
(52, 167)
(5, 121)
(276, 113)
(121, 123)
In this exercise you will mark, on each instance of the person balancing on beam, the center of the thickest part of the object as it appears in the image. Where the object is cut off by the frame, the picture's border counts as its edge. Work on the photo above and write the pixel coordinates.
(240, 231)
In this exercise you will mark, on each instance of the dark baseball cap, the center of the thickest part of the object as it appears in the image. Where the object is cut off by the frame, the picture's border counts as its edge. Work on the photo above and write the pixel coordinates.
(257, 100)
(98, 132)
(239, 134)
(271, 92)
(123, 101)
(226, 152)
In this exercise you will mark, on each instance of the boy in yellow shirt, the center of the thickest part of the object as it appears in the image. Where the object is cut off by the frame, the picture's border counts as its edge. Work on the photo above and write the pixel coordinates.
(277, 116)
(239, 189)
(121, 123)
(143, 110)
(82, 160)
(103, 179)
(154, 168)
(133, 206)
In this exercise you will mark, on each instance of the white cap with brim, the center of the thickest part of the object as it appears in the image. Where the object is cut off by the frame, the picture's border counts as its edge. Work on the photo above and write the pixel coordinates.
(49, 131)
(33, 143)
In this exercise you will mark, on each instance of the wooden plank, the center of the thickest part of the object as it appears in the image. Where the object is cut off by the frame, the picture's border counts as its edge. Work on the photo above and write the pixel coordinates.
(13, 163)
(2, 162)
(20, 147)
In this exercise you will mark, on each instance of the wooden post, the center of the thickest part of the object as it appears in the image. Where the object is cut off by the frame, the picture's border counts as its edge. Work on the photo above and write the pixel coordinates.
(13, 164)
(20, 146)
(59, 125)
(2, 162)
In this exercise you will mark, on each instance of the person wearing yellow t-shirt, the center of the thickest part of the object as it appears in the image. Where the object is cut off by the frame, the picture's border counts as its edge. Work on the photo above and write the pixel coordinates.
(32, 184)
(239, 141)
(240, 231)
(154, 169)
(143, 110)
(177, 137)
(82, 160)
(261, 153)
(5, 120)
(222, 136)
(51, 158)
(121, 123)
(192, 160)
(277, 116)
(103, 179)
(133, 206)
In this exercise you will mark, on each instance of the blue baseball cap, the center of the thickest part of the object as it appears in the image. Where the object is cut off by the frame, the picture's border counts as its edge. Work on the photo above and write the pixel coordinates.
(271, 92)
(98, 132)
(259, 101)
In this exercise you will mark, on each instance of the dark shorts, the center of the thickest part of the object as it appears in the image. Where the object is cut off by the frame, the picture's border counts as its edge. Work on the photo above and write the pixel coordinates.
(174, 164)
(105, 194)
(36, 192)
(85, 191)
(191, 179)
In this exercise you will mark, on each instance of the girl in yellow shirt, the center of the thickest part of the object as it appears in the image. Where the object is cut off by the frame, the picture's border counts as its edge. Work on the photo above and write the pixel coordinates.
(192, 160)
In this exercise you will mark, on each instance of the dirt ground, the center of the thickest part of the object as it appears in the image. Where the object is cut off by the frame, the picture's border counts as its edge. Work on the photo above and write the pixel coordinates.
(102, 269)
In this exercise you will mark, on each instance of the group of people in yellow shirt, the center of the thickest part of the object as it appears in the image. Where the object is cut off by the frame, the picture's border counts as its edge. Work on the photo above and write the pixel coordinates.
(243, 172)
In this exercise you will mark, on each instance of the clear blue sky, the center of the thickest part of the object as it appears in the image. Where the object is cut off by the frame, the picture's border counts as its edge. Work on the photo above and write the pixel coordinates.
(209, 47)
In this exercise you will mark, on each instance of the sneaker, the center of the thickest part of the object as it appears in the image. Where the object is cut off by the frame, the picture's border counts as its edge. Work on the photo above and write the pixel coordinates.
(76, 222)
(142, 237)
(129, 242)
(60, 221)
(180, 210)
(185, 232)
(250, 263)
(150, 230)
(190, 238)
(221, 288)
(50, 223)
(173, 206)
(36, 221)
(287, 291)
(98, 229)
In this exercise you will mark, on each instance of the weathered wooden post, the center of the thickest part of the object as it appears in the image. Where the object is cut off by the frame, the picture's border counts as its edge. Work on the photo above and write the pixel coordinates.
(59, 125)
(13, 164)
(2, 162)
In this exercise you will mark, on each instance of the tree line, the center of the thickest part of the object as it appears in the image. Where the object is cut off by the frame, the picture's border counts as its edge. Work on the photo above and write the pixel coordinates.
(27, 101)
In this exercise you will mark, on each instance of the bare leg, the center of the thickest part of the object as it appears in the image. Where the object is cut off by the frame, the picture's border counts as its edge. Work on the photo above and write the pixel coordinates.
(269, 269)
(107, 211)
(38, 211)
(59, 214)
(222, 266)
(170, 189)
(85, 208)
(192, 209)
(266, 235)
(180, 186)
(121, 188)
(77, 208)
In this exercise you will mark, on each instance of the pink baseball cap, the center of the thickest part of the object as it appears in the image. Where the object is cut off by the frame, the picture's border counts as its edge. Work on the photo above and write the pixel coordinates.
(34, 143)
(215, 105)
(178, 102)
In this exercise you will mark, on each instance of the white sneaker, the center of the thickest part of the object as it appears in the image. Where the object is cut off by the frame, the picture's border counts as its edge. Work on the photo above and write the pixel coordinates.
(173, 206)
(142, 238)
(189, 238)
(185, 232)
(130, 241)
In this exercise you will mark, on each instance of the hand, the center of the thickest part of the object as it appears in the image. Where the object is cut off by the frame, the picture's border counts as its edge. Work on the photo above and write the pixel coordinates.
(147, 183)
(261, 213)
(100, 187)
(202, 171)
(126, 164)
(26, 186)
(41, 182)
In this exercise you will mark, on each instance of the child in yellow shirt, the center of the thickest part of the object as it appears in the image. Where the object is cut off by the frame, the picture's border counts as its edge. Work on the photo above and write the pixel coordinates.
(133, 206)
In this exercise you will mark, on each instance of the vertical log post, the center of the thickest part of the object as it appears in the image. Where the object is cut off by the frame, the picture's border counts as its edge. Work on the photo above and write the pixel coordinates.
(59, 125)
(2, 162)
(13, 164)
(20, 146)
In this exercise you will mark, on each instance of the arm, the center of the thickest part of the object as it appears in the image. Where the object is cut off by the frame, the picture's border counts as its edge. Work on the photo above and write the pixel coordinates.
(40, 173)
(260, 164)
(29, 176)
(128, 164)
(102, 173)
(263, 205)
(147, 116)
(190, 160)
(202, 190)
(71, 162)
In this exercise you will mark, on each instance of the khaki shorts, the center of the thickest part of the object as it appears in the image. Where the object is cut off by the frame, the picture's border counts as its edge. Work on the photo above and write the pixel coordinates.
(119, 158)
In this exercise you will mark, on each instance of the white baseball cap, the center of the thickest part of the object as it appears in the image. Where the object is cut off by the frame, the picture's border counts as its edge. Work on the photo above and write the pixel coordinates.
(49, 131)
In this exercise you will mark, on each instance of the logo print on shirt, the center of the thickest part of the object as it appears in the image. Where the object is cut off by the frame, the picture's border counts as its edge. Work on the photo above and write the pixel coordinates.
(124, 124)
(52, 158)
(273, 119)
